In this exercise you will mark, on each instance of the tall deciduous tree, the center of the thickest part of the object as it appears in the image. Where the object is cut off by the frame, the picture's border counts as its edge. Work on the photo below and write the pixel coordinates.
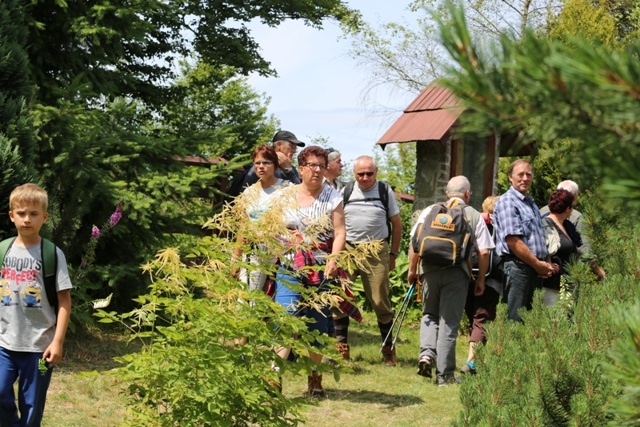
(124, 48)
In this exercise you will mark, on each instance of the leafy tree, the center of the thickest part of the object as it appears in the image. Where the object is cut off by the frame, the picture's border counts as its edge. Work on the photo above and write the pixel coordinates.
(592, 21)
(132, 49)
(408, 56)
(397, 167)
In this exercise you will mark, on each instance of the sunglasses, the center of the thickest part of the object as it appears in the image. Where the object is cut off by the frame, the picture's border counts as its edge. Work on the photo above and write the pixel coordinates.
(362, 174)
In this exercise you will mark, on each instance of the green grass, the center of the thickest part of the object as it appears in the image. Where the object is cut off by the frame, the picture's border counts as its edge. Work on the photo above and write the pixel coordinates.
(368, 393)
(372, 394)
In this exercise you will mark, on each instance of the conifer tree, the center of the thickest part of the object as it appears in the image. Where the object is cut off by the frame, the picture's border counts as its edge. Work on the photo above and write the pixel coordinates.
(17, 147)
(550, 370)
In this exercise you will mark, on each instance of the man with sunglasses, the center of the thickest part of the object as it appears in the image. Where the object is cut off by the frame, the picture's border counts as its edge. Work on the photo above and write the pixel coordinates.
(367, 218)
(285, 144)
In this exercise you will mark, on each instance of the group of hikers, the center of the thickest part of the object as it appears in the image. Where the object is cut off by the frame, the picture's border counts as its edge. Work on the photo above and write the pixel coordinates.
(466, 261)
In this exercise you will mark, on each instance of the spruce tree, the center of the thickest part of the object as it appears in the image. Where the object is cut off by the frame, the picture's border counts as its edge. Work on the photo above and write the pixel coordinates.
(17, 146)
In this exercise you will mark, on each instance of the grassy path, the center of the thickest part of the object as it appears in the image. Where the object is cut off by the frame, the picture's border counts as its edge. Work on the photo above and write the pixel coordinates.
(368, 393)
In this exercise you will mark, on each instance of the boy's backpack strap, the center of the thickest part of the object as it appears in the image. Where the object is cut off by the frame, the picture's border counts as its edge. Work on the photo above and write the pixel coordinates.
(50, 271)
(4, 247)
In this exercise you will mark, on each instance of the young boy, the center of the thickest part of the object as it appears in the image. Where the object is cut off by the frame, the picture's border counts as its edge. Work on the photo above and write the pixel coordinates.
(30, 330)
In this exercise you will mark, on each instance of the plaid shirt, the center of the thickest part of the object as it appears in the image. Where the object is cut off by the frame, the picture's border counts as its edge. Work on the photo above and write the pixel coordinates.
(517, 215)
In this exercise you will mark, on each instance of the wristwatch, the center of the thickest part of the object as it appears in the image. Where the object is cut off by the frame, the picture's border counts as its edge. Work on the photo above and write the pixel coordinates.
(287, 170)
(394, 254)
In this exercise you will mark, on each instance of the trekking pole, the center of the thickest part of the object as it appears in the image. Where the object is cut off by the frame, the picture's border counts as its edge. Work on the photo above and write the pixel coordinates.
(404, 307)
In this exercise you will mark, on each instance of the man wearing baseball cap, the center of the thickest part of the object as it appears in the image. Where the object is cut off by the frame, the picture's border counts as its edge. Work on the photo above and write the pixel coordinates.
(285, 144)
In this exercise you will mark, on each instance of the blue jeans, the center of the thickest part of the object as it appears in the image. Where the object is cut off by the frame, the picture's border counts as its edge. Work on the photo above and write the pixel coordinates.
(32, 388)
(521, 282)
(290, 299)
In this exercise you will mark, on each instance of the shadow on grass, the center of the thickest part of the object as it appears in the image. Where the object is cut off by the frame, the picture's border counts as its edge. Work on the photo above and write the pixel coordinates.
(363, 337)
(95, 349)
(391, 400)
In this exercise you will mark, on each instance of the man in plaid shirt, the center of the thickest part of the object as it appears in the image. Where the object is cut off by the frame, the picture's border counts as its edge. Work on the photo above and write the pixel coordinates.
(520, 240)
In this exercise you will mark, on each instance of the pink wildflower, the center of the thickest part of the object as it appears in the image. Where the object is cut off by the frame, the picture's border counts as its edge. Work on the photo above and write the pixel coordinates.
(115, 217)
(95, 232)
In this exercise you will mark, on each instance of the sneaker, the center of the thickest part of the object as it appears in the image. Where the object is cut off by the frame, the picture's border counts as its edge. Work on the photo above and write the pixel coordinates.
(389, 355)
(343, 350)
(314, 385)
(466, 369)
(448, 380)
(425, 366)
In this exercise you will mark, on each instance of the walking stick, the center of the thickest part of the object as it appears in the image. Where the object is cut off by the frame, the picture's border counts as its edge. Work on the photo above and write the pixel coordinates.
(404, 307)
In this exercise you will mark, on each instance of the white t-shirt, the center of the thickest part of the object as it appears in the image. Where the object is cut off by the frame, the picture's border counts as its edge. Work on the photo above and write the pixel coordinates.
(27, 320)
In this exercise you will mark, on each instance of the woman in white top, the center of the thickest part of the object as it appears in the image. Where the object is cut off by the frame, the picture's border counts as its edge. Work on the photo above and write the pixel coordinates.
(317, 219)
(257, 199)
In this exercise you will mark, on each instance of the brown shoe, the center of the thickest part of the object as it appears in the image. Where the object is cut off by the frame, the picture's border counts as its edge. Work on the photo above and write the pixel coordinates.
(343, 349)
(389, 355)
(315, 385)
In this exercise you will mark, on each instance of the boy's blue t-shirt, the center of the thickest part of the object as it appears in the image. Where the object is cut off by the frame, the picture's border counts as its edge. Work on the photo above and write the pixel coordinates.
(27, 320)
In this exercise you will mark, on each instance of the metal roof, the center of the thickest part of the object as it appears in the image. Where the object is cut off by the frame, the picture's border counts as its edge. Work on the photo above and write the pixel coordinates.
(429, 117)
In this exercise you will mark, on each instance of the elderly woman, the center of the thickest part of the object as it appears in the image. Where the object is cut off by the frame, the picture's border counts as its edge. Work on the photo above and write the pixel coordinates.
(481, 308)
(565, 237)
(317, 219)
(257, 198)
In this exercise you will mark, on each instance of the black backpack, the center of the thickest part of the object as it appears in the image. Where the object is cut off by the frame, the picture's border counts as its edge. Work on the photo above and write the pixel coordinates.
(49, 267)
(383, 196)
(445, 236)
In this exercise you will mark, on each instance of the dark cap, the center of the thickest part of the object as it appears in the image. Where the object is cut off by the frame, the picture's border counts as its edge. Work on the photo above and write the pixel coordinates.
(285, 135)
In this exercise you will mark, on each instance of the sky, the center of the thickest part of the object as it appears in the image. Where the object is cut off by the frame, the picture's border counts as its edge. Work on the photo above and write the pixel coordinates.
(319, 91)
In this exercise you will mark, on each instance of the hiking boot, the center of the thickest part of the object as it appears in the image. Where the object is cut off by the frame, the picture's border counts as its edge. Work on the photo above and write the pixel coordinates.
(425, 366)
(467, 369)
(343, 350)
(314, 385)
(447, 380)
(389, 355)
